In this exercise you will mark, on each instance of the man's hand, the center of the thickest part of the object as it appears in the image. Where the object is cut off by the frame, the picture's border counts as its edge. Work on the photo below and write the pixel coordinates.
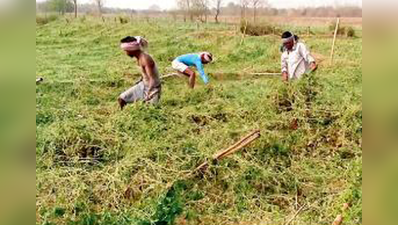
(285, 76)
(149, 96)
(313, 66)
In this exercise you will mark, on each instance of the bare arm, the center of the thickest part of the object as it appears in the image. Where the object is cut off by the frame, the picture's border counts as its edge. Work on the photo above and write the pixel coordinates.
(150, 72)
(284, 67)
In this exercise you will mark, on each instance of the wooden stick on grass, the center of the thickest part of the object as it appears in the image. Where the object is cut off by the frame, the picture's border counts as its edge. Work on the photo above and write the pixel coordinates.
(267, 74)
(232, 149)
(238, 145)
(339, 218)
(296, 214)
(170, 75)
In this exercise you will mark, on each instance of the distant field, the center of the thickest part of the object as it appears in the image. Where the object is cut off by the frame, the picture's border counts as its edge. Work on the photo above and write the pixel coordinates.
(98, 165)
(298, 21)
(278, 20)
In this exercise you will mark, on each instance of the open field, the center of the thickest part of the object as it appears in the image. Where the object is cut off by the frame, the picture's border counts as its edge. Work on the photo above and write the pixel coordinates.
(302, 21)
(98, 165)
(297, 21)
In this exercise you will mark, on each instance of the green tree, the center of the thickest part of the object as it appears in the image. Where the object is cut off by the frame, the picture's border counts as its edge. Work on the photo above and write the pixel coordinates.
(61, 6)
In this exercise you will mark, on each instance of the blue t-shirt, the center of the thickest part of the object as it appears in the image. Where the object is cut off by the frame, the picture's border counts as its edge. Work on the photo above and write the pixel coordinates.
(196, 61)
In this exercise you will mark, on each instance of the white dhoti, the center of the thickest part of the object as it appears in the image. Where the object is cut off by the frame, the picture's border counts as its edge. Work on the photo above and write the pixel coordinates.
(138, 93)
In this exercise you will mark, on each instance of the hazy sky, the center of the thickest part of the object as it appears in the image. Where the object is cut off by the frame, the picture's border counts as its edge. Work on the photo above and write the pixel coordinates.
(168, 4)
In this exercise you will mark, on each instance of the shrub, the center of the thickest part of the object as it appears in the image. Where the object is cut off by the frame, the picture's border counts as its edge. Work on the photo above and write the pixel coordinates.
(343, 30)
(332, 27)
(83, 19)
(258, 29)
(47, 19)
(350, 32)
(123, 20)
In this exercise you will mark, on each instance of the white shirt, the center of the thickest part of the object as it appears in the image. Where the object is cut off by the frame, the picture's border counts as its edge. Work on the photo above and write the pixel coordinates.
(297, 61)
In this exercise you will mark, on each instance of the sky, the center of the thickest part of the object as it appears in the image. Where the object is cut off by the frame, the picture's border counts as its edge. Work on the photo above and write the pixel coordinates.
(170, 4)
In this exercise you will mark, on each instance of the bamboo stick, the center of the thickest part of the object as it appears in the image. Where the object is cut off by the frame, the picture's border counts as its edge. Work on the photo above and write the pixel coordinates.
(170, 75)
(269, 74)
(237, 146)
(295, 215)
(334, 40)
(220, 153)
(233, 148)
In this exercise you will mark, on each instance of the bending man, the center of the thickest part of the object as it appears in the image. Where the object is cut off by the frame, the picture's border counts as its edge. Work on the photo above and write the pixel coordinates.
(148, 89)
(296, 59)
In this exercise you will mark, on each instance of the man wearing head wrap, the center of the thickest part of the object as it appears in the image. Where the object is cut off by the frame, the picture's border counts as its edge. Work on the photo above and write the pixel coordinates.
(182, 64)
(148, 89)
(296, 58)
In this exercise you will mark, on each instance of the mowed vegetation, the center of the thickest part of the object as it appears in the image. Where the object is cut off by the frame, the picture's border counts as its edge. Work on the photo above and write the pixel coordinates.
(96, 164)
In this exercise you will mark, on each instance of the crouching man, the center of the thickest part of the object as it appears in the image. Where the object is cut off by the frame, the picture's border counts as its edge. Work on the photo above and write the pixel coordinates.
(148, 89)
(296, 59)
(182, 64)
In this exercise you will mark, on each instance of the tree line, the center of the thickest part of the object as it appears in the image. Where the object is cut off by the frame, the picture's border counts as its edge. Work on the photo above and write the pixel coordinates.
(193, 10)
(201, 9)
(67, 6)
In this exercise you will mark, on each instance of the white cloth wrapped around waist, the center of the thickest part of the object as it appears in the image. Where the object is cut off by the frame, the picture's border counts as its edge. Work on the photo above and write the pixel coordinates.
(139, 92)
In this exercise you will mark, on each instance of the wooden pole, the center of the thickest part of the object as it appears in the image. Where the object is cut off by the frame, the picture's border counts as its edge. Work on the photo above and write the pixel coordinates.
(266, 74)
(255, 134)
(334, 40)
(243, 73)
(239, 147)
(75, 7)
(170, 75)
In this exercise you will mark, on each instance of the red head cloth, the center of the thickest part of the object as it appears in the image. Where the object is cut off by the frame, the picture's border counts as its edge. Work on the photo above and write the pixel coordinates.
(207, 56)
(139, 44)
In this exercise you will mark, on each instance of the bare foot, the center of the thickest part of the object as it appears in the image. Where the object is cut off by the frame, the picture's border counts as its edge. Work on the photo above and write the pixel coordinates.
(122, 103)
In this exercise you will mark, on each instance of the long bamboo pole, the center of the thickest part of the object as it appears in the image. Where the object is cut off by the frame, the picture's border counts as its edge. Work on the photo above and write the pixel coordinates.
(334, 40)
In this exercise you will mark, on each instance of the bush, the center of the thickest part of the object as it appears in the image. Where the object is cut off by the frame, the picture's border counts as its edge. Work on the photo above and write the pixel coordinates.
(350, 32)
(47, 19)
(123, 20)
(258, 29)
(83, 19)
(343, 30)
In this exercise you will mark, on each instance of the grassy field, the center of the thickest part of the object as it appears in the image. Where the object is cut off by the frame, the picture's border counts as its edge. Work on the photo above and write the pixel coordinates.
(96, 164)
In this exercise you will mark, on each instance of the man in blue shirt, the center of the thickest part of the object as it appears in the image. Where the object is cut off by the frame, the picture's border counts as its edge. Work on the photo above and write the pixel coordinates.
(182, 64)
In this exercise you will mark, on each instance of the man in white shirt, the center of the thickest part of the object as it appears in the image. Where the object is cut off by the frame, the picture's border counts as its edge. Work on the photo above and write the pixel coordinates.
(296, 58)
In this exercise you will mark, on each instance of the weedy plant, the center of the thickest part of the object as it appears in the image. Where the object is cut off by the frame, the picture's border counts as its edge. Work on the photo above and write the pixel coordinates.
(258, 29)
(41, 20)
(347, 31)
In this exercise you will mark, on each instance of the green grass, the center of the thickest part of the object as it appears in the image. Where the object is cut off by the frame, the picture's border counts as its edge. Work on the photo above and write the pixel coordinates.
(98, 165)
